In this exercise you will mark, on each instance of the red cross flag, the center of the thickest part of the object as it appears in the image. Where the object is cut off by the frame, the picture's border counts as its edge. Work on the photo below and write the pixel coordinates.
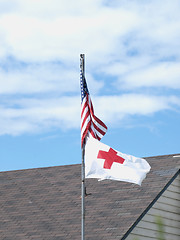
(103, 162)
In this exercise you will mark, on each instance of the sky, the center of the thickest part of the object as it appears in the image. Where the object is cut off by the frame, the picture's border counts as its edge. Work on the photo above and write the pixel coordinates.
(132, 68)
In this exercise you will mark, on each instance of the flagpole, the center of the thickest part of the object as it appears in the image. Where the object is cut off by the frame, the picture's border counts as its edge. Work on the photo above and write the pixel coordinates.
(82, 170)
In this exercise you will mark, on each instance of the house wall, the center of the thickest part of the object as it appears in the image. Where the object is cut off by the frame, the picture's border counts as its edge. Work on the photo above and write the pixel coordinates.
(168, 208)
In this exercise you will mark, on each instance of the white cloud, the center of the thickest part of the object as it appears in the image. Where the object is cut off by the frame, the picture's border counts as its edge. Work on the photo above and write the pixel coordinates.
(115, 108)
(37, 115)
(49, 9)
(38, 78)
(30, 37)
(42, 78)
(40, 30)
(136, 43)
(162, 74)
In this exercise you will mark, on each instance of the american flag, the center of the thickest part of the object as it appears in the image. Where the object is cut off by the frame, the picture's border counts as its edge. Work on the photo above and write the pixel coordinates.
(89, 122)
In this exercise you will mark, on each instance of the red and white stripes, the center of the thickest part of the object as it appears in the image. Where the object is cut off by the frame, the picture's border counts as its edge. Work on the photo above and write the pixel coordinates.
(89, 122)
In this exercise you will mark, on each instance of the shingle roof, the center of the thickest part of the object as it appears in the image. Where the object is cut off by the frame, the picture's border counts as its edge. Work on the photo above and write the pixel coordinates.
(45, 203)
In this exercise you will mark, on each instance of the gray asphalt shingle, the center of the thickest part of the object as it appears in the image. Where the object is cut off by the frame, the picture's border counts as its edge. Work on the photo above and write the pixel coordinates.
(45, 203)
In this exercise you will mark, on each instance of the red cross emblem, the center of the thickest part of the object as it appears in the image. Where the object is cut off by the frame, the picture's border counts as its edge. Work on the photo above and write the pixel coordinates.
(110, 157)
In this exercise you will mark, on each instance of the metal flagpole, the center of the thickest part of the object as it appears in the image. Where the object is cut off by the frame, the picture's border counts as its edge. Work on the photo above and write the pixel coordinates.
(82, 171)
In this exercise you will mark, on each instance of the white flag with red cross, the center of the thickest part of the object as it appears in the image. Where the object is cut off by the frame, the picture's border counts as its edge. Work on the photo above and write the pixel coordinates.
(103, 162)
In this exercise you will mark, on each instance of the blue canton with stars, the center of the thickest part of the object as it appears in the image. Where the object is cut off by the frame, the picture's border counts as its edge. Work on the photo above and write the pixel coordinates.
(84, 89)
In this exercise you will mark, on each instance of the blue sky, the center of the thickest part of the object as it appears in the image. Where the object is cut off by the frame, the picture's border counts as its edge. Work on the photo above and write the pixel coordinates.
(132, 64)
